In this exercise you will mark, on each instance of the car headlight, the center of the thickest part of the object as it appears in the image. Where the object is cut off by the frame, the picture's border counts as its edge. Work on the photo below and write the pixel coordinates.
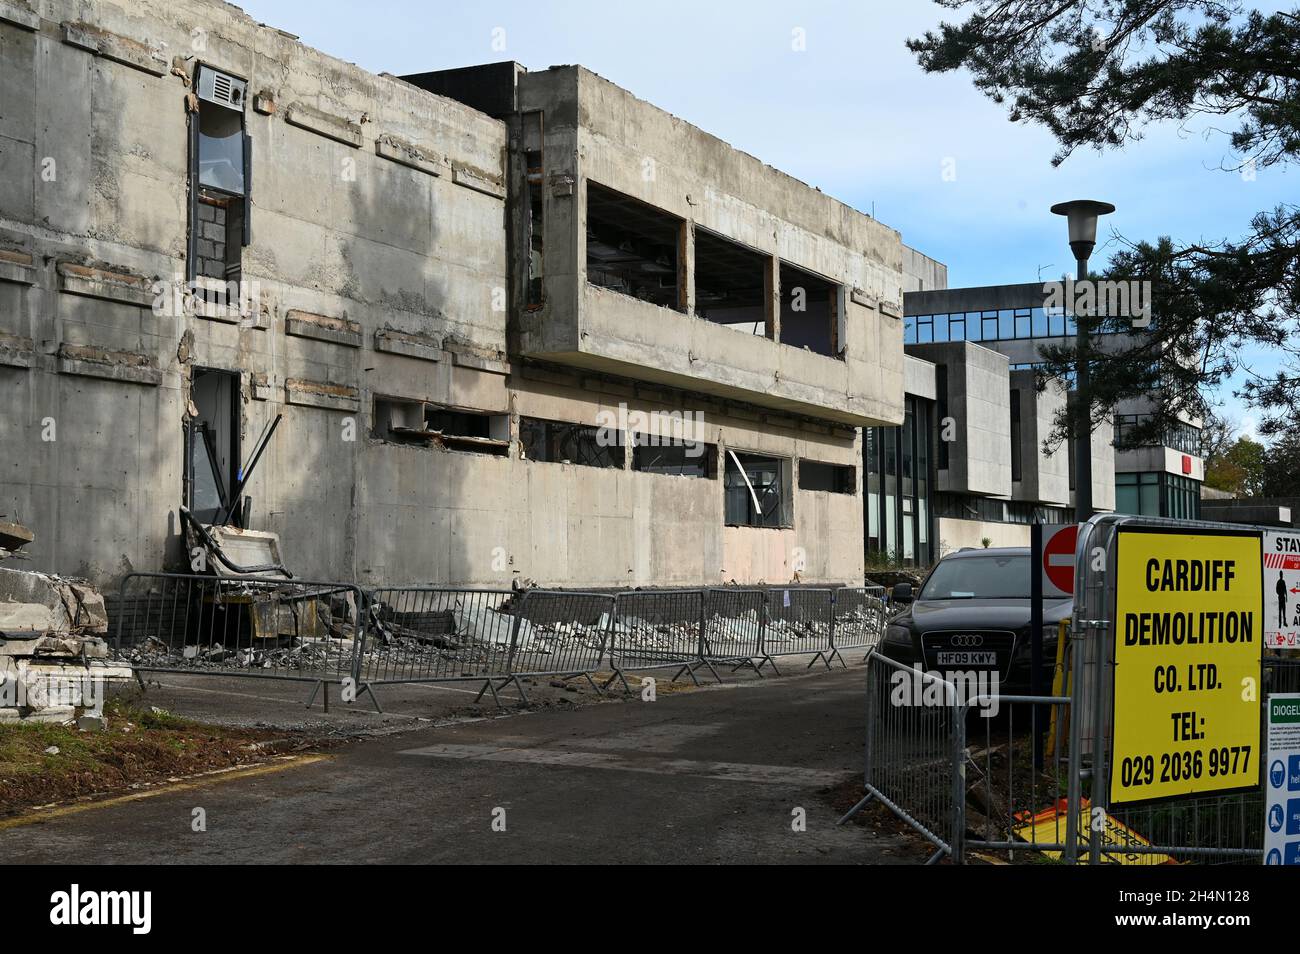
(898, 635)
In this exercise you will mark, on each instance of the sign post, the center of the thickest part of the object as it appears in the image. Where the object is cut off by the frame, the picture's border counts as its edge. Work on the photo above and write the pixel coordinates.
(1187, 648)
(1051, 555)
(1282, 787)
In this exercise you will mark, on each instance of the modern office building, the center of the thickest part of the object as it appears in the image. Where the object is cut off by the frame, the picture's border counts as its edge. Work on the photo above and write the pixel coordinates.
(970, 377)
(497, 324)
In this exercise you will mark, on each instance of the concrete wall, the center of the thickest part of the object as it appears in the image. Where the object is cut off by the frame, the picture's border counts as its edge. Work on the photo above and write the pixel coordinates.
(1045, 478)
(922, 273)
(597, 132)
(955, 534)
(979, 456)
(380, 258)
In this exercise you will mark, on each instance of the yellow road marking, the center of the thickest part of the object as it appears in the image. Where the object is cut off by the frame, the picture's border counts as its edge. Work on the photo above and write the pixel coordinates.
(221, 775)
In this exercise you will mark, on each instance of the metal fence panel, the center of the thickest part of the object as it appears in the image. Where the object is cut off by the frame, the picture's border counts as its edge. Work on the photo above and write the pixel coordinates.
(242, 626)
(561, 633)
(914, 740)
(734, 620)
(655, 629)
(860, 616)
(438, 634)
(799, 622)
(1013, 804)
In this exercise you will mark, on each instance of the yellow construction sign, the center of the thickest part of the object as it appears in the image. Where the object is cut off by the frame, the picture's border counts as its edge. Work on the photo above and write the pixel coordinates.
(1188, 632)
(1117, 839)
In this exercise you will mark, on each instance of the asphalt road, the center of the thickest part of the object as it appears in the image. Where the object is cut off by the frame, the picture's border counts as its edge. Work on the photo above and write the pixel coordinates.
(709, 776)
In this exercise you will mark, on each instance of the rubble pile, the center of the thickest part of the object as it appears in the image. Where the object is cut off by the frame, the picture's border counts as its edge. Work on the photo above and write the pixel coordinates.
(53, 651)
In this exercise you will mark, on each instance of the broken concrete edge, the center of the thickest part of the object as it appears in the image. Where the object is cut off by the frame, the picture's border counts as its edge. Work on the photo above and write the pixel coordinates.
(408, 344)
(91, 362)
(408, 154)
(19, 15)
(334, 397)
(341, 331)
(114, 46)
(107, 283)
(324, 124)
(478, 180)
(16, 351)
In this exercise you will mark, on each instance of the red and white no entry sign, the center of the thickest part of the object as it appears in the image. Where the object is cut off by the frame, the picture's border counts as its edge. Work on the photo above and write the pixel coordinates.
(1058, 558)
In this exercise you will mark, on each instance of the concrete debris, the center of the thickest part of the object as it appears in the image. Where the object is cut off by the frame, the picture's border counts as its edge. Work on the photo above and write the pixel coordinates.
(52, 750)
(53, 654)
(36, 604)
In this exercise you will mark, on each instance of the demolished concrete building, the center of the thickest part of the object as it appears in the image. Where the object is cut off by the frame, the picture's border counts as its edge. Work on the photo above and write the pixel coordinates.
(511, 324)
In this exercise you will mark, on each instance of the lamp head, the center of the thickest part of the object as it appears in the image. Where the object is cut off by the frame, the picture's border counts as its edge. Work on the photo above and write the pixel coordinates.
(1082, 214)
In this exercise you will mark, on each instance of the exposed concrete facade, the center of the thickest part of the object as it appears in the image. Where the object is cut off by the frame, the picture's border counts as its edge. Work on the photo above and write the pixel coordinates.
(385, 265)
(979, 437)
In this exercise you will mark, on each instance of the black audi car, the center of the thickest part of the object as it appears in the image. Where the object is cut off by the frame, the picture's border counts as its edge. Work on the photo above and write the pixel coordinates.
(972, 613)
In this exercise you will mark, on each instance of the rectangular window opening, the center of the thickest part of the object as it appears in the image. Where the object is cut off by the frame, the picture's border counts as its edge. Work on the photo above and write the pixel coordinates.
(757, 490)
(534, 210)
(560, 442)
(1017, 453)
(213, 444)
(675, 458)
(829, 478)
(632, 247)
(420, 424)
(220, 186)
(809, 312)
(730, 284)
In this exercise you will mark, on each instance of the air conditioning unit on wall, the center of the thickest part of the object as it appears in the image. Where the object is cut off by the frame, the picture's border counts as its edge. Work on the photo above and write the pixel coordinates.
(222, 88)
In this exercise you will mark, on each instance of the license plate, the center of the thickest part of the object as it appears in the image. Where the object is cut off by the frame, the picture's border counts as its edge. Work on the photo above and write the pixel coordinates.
(968, 659)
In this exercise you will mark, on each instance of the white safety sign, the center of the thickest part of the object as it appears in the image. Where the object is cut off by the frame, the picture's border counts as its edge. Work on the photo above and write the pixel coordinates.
(1282, 781)
(1281, 590)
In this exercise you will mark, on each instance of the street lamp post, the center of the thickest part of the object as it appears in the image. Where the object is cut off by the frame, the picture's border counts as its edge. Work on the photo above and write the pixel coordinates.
(1081, 215)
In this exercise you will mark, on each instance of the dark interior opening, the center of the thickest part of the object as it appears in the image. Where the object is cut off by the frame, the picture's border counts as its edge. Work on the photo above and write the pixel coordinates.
(730, 282)
(213, 444)
(808, 304)
(632, 247)
(829, 478)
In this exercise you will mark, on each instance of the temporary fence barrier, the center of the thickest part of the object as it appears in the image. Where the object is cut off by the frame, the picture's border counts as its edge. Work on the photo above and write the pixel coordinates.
(431, 634)
(655, 629)
(561, 633)
(329, 632)
(1000, 792)
(299, 630)
(914, 738)
(860, 616)
(800, 621)
(732, 633)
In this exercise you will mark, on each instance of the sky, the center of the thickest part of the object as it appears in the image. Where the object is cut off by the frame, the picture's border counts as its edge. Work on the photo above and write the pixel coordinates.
(850, 112)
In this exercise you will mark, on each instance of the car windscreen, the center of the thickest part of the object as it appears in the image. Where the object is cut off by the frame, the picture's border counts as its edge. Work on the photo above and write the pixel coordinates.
(979, 578)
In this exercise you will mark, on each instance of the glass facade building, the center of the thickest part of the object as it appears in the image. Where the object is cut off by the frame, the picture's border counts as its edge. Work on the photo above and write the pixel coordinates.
(1007, 324)
(898, 477)
(1154, 494)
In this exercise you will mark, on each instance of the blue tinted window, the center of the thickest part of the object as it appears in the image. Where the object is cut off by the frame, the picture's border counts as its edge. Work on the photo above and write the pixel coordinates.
(1022, 323)
(909, 330)
(940, 327)
(956, 327)
(1006, 324)
(1040, 323)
